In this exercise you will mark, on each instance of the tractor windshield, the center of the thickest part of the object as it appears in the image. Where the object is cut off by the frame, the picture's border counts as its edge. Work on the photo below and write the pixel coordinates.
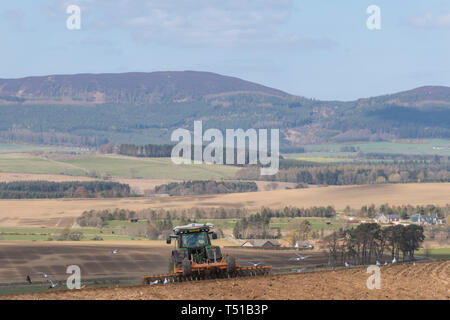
(194, 240)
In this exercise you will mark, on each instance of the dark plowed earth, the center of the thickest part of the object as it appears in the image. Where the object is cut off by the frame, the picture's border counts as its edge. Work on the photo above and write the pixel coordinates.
(408, 281)
(97, 261)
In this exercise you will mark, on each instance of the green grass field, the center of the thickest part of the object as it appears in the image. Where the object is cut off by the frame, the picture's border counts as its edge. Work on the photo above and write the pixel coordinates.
(438, 253)
(150, 168)
(28, 163)
(113, 165)
(109, 232)
(119, 230)
(330, 153)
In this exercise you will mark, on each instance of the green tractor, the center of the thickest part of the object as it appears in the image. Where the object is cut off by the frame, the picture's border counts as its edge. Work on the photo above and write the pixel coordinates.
(194, 254)
(195, 258)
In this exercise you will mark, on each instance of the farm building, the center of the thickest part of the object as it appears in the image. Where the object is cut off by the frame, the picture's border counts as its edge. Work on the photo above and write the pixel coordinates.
(261, 243)
(425, 220)
(386, 218)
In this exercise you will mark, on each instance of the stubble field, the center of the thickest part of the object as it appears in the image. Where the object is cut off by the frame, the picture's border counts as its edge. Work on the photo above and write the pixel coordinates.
(63, 212)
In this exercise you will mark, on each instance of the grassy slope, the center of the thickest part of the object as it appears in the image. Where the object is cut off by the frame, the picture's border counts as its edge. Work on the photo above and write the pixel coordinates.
(436, 253)
(28, 163)
(330, 152)
(114, 165)
(8, 148)
(156, 168)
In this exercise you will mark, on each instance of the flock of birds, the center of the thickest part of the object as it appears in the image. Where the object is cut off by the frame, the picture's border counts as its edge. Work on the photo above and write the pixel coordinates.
(45, 276)
(377, 263)
(54, 284)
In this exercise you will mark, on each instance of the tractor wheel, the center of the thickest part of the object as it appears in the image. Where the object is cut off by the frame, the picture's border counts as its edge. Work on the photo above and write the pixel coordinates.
(187, 268)
(231, 264)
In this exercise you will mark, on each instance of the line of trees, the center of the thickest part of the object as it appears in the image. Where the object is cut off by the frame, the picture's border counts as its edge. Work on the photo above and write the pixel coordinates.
(70, 189)
(348, 174)
(405, 211)
(96, 218)
(293, 212)
(404, 157)
(369, 242)
(148, 150)
(50, 138)
(205, 187)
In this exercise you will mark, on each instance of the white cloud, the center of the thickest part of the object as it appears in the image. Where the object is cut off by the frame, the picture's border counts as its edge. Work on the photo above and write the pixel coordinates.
(429, 20)
(221, 23)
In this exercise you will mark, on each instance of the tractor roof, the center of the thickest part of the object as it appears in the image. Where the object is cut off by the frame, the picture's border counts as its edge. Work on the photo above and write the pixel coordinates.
(193, 227)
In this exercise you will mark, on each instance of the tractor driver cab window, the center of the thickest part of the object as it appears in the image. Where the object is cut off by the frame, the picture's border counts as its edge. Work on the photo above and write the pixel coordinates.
(197, 239)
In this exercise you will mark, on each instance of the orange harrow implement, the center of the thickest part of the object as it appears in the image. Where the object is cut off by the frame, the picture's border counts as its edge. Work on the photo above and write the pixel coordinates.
(205, 271)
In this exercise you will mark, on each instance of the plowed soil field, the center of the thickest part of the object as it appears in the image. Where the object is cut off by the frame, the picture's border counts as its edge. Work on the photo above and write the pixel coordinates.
(409, 281)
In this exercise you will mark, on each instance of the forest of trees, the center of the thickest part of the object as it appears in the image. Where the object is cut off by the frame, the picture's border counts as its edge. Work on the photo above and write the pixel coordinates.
(369, 242)
(70, 189)
(390, 121)
(347, 174)
(205, 187)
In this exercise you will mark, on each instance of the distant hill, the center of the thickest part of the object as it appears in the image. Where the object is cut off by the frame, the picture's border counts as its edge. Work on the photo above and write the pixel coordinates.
(419, 97)
(133, 87)
(141, 108)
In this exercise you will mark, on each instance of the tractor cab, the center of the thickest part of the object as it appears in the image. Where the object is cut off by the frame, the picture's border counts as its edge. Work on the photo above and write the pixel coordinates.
(194, 239)
(193, 243)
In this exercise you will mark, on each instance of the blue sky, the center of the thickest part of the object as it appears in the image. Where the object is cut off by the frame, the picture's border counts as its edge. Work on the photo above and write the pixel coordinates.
(316, 48)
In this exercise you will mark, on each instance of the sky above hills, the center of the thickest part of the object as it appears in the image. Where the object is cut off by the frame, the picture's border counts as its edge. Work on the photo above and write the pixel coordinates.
(318, 49)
